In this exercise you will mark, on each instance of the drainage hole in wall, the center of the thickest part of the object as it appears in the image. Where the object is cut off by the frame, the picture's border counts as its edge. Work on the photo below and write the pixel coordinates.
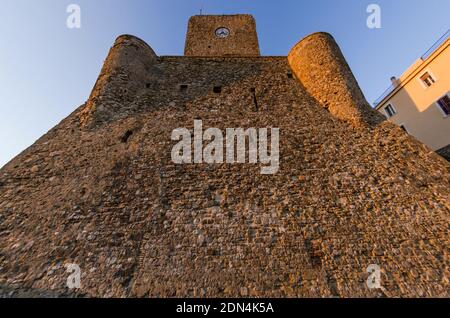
(126, 136)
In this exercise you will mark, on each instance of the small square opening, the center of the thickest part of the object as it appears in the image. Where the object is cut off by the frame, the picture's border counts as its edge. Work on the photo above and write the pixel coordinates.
(217, 89)
(289, 75)
(183, 87)
(427, 79)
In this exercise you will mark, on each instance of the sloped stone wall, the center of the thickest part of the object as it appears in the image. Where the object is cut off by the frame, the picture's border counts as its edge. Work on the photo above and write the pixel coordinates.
(107, 197)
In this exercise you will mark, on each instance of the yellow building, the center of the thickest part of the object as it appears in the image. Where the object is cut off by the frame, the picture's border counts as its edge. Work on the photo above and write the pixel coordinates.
(419, 101)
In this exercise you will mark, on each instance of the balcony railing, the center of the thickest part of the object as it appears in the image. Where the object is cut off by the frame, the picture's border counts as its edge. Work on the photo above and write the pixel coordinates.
(435, 45)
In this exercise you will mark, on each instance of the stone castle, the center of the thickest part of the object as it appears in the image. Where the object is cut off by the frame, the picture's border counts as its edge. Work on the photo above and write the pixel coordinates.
(100, 190)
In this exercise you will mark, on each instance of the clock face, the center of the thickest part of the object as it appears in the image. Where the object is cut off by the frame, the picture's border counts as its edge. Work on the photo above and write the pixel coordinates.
(222, 32)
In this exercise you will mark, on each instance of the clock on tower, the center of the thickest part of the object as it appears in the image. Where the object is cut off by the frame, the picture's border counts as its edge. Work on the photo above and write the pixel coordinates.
(222, 32)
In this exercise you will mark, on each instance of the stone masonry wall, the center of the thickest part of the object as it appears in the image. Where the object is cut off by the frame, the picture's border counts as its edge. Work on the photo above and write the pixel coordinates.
(100, 190)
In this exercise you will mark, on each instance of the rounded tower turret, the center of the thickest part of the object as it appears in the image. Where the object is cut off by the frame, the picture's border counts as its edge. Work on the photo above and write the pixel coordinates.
(319, 64)
(128, 68)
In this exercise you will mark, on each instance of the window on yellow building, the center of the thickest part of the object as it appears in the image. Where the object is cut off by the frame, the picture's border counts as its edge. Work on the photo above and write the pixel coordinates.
(444, 105)
(403, 127)
(389, 110)
(427, 79)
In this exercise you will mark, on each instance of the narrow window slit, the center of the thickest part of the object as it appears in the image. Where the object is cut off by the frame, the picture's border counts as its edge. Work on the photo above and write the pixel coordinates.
(126, 136)
(255, 100)
(289, 75)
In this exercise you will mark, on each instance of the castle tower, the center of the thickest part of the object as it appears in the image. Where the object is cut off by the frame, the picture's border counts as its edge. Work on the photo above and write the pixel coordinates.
(130, 66)
(100, 189)
(224, 35)
(320, 66)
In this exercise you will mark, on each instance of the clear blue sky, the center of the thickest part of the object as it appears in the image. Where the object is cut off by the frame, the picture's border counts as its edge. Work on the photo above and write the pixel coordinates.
(47, 70)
